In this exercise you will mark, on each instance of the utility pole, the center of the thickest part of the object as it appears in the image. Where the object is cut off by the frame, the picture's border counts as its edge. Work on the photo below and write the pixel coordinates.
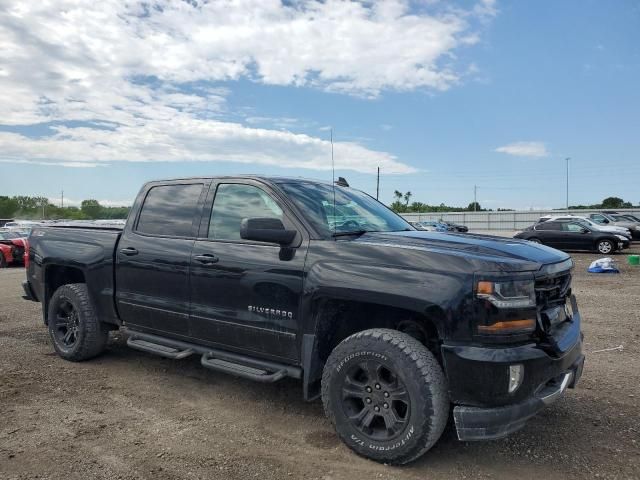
(378, 185)
(475, 198)
(567, 160)
(62, 199)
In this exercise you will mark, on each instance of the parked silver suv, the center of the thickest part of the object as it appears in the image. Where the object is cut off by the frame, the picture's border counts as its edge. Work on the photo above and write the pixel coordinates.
(610, 220)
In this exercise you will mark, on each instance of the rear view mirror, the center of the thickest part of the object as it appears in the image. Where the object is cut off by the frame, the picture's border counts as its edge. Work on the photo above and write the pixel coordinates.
(585, 230)
(266, 230)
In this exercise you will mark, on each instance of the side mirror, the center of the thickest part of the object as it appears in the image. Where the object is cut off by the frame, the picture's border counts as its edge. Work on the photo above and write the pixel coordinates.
(269, 230)
(585, 230)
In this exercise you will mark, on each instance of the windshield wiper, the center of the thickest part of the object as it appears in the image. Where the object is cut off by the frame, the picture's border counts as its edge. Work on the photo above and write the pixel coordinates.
(353, 232)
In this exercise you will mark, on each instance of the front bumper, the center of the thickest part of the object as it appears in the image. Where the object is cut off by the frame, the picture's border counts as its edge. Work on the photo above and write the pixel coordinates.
(476, 423)
(478, 380)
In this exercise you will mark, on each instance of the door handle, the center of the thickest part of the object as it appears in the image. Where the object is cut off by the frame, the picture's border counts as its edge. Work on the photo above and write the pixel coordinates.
(129, 251)
(206, 258)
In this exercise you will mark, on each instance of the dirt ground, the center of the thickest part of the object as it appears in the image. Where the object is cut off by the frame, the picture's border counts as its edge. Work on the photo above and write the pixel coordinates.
(129, 415)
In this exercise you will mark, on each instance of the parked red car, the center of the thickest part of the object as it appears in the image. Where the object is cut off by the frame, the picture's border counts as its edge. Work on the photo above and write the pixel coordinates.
(12, 248)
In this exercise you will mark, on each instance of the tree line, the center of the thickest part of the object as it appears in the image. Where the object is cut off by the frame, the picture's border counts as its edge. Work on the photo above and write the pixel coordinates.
(40, 208)
(403, 204)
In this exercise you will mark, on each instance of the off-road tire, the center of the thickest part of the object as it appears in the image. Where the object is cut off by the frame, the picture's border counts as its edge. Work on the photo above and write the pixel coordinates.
(92, 335)
(419, 372)
(601, 245)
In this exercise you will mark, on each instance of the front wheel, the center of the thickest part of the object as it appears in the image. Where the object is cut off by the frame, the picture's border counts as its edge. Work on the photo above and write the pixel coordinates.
(605, 247)
(74, 328)
(386, 395)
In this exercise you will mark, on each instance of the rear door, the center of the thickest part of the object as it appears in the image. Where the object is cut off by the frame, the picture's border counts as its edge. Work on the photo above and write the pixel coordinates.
(550, 233)
(153, 256)
(245, 295)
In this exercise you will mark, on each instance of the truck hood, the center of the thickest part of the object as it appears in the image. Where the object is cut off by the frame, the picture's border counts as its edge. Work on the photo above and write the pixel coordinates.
(505, 253)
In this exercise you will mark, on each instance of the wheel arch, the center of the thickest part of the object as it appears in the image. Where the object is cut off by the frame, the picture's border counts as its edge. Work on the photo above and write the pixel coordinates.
(336, 319)
(55, 276)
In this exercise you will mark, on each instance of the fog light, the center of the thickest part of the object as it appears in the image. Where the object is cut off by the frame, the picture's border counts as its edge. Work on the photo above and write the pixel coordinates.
(516, 374)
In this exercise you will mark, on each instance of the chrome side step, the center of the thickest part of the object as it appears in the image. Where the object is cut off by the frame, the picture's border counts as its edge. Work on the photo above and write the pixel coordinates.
(162, 350)
(252, 368)
(240, 370)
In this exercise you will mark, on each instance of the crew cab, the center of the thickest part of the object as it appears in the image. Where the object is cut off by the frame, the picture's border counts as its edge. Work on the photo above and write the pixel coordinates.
(266, 278)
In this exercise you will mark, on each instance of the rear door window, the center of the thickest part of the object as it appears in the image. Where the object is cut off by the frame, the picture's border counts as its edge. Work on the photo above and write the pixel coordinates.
(169, 210)
(549, 226)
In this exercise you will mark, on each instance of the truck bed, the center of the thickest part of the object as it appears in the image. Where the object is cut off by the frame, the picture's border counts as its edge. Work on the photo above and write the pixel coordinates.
(88, 250)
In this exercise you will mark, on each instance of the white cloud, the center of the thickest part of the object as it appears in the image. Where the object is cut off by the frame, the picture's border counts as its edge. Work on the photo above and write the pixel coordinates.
(140, 80)
(524, 149)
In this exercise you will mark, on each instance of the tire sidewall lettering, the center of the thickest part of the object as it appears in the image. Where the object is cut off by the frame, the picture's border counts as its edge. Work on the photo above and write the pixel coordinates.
(351, 356)
(384, 448)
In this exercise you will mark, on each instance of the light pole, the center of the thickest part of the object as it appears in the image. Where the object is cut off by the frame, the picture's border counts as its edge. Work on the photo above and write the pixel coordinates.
(567, 160)
(475, 198)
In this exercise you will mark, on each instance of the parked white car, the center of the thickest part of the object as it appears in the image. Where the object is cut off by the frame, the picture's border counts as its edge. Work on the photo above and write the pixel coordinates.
(20, 225)
(595, 226)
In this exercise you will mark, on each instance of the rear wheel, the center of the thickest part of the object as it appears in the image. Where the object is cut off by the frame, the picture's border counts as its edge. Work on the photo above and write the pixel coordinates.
(74, 328)
(605, 247)
(386, 395)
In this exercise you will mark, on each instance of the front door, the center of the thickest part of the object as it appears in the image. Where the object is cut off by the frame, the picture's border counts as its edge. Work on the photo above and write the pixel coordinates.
(575, 237)
(152, 267)
(245, 295)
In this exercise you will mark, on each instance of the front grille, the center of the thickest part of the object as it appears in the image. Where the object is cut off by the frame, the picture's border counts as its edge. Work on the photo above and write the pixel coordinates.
(552, 290)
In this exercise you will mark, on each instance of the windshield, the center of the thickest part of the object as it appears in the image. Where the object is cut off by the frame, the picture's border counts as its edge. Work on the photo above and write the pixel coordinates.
(354, 211)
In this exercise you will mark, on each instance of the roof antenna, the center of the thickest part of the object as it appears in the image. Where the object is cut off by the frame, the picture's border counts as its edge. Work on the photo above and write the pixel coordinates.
(333, 183)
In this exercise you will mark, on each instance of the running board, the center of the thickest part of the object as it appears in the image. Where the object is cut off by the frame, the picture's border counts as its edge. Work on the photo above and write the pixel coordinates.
(162, 350)
(241, 365)
(239, 370)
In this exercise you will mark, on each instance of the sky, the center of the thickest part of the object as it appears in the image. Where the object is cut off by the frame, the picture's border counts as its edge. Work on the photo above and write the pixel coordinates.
(444, 97)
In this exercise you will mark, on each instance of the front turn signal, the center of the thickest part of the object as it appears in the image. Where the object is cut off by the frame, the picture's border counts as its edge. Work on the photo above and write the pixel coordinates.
(508, 327)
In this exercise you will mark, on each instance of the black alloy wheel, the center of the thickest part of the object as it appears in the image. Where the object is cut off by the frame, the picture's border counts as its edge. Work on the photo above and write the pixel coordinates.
(75, 330)
(375, 400)
(66, 323)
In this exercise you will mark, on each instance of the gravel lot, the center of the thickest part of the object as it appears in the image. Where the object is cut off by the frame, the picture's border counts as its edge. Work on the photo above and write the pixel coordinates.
(131, 415)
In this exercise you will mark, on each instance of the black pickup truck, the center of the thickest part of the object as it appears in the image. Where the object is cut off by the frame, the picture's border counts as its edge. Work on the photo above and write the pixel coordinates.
(267, 278)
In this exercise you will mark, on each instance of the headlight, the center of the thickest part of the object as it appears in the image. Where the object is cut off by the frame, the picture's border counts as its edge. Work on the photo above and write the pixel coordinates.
(509, 294)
